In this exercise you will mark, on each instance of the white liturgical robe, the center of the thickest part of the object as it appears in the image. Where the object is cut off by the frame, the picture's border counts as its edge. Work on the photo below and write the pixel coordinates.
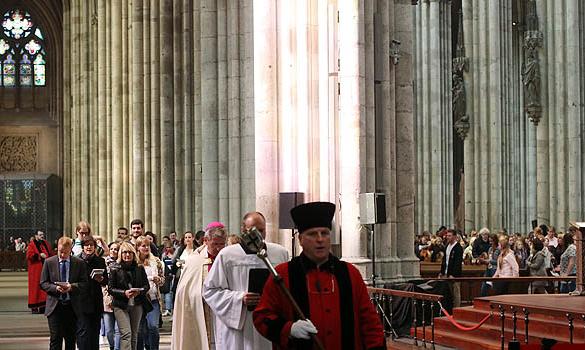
(224, 290)
(189, 329)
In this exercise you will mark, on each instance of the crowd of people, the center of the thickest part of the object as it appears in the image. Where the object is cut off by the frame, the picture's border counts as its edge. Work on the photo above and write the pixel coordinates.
(541, 252)
(217, 291)
(14, 244)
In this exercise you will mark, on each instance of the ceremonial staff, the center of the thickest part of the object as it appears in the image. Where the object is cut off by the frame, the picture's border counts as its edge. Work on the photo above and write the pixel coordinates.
(253, 243)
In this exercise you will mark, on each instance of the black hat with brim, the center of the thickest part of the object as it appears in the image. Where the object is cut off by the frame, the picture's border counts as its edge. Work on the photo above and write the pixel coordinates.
(314, 214)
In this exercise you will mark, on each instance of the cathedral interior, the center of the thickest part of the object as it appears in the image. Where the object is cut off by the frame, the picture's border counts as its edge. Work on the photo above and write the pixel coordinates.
(463, 113)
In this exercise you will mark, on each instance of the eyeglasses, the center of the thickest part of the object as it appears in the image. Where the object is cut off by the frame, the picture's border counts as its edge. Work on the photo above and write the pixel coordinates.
(126, 252)
(83, 232)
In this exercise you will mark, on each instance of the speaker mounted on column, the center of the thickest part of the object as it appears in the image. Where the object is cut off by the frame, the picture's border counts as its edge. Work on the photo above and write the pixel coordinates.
(287, 201)
(372, 208)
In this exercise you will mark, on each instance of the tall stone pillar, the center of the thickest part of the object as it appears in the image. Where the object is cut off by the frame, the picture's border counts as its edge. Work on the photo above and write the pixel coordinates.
(560, 139)
(499, 148)
(137, 70)
(433, 115)
(266, 110)
(117, 121)
(209, 110)
(178, 125)
(155, 118)
(167, 135)
(351, 93)
(405, 154)
(186, 99)
(146, 147)
(235, 29)
(102, 155)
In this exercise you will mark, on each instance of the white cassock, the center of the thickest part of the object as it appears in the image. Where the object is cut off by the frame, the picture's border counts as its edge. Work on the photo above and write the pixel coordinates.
(224, 290)
(189, 330)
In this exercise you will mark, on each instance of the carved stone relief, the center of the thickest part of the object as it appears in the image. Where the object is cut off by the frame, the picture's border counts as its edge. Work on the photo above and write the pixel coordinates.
(18, 153)
(459, 66)
(531, 78)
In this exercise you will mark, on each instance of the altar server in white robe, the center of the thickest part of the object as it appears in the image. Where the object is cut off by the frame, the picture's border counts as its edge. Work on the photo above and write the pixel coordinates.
(193, 327)
(226, 291)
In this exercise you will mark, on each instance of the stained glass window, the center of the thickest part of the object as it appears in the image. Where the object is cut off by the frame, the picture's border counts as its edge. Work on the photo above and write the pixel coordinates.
(22, 51)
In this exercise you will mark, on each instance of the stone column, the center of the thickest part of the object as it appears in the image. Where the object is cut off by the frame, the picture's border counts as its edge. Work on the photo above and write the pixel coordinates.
(559, 156)
(188, 194)
(146, 101)
(167, 116)
(127, 132)
(499, 148)
(351, 94)
(434, 116)
(155, 116)
(137, 110)
(222, 125)
(266, 110)
(234, 113)
(250, 170)
(195, 141)
(178, 125)
(404, 144)
(117, 121)
(209, 110)
(103, 193)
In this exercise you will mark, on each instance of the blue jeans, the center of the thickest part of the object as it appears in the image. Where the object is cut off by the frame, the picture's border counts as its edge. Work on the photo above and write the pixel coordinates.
(112, 331)
(484, 286)
(148, 336)
(567, 287)
(169, 300)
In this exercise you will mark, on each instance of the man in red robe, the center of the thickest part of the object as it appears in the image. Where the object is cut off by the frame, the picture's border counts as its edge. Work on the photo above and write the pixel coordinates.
(330, 292)
(37, 251)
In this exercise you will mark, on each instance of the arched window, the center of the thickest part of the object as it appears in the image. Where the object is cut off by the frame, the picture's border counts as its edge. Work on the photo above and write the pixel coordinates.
(22, 51)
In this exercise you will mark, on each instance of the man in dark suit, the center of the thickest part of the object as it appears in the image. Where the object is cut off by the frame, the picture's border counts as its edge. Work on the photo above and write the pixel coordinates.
(64, 277)
(451, 265)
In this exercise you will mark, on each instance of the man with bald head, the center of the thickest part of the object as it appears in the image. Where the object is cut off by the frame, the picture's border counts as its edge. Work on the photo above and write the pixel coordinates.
(226, 290)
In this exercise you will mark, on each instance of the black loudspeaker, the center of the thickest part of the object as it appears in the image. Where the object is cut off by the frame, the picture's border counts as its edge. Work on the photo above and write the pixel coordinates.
(287, 201)
(372, 208)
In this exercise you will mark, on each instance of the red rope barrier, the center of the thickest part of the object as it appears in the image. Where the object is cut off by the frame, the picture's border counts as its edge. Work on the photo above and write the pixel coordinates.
(463, 328)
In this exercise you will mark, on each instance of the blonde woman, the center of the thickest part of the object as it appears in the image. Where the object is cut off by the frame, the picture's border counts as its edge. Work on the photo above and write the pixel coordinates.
(129, 287)
(149, 334)
(507, 265)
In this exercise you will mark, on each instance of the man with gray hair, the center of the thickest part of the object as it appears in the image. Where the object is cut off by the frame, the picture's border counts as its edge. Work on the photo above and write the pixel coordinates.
(482, 244)
(214, 240)
(193, 321)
